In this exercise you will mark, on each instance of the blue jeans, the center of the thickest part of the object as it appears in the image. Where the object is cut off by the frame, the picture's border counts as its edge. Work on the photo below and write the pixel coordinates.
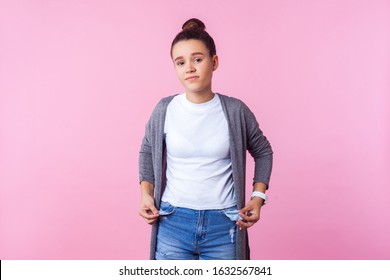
(187, 234)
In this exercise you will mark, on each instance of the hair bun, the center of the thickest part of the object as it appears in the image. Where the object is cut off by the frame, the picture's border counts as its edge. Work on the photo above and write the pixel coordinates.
(193, 23)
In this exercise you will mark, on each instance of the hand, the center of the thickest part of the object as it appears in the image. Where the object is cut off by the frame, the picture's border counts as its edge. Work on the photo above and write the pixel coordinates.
(148, 210)
(250, 213)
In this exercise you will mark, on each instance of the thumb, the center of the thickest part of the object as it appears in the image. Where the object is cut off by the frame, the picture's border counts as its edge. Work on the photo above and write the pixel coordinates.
(153, 209)
(245, 209)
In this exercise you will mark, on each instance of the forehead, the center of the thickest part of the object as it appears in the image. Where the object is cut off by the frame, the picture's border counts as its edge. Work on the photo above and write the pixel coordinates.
(187, 47)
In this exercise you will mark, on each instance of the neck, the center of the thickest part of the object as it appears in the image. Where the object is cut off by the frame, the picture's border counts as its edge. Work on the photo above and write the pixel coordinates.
(197, 97)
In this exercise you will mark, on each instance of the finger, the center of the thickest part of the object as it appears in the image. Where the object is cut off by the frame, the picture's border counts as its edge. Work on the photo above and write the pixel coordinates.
(244, 210)
(250, 216)
(153, 209)
(149, 217)
(147, 214)
(150, 221)
(248, 224)
(243, 224)
(248, 220)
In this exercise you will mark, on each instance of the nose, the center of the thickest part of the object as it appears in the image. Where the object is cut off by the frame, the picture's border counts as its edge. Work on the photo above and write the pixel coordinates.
(190, 68)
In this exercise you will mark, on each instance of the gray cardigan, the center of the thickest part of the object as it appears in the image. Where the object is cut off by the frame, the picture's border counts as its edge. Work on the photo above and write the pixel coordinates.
(244, 133)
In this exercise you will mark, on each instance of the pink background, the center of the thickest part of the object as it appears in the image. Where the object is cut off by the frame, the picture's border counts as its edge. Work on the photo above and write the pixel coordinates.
(79, 79)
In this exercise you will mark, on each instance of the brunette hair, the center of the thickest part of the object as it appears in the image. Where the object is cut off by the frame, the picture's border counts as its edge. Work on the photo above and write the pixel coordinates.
(195, 29)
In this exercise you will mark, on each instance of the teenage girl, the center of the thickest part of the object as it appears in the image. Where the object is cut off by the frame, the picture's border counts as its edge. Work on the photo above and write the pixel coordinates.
(192, 161)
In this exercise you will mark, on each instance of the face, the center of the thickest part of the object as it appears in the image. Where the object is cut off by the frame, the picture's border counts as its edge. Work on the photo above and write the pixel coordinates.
(194, 66)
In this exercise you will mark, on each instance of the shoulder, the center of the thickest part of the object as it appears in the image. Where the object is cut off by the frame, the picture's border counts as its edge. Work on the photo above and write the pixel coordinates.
(161, 106)
(237, 110)
(164, 102)
(230, 100)
(232, 103)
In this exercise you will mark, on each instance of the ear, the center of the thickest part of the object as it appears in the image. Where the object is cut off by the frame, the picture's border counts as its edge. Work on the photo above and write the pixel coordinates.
(215, 61)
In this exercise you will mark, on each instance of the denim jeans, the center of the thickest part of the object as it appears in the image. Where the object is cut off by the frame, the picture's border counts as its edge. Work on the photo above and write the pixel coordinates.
(187, 234)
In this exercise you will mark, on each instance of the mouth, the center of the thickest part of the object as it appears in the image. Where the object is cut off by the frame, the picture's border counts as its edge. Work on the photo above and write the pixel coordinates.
(192, 78)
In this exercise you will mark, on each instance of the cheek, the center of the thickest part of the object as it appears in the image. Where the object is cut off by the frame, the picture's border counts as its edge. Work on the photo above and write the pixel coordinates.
(179, 71)
(208, 72)
(180, 75)
(207, 68)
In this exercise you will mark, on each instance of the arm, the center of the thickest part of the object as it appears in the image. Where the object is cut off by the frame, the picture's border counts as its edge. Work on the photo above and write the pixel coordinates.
(146, 177)
(261, 151)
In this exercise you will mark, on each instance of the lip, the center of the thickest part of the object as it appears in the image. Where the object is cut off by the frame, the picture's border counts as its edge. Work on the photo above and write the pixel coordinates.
(192, 78)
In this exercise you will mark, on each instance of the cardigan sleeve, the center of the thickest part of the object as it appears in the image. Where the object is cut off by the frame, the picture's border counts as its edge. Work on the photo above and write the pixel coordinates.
(146, 154)
(259, 148)
(150, 155)
(145, 160)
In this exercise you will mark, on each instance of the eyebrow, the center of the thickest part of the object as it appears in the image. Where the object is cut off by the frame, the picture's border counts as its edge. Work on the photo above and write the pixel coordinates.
(193, 54)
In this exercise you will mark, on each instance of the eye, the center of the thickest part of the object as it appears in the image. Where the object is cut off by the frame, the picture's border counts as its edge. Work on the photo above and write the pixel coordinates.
(198, 60)
(180, 63)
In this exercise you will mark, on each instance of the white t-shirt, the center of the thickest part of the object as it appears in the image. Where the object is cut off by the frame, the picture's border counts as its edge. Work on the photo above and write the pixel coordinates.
(199, 168)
